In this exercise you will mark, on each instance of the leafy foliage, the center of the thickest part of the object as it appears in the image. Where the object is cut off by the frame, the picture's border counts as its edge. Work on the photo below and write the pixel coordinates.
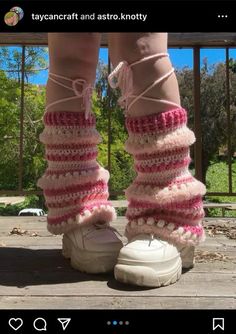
(13, 210)
(33, 158)
(11, 61)
(121, 166)
(213, 109)
(9, 132)
(217, 181)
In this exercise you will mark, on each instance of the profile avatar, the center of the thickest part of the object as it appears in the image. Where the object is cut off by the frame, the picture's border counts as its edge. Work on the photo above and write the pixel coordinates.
(12, 17)
(19, 11)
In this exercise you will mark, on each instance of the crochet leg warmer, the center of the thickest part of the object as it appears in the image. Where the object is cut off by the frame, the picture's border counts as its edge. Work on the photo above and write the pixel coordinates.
(164, 199)
(74, 184)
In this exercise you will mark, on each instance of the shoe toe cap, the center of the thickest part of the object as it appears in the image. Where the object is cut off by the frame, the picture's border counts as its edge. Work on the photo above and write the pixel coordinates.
(148, 250)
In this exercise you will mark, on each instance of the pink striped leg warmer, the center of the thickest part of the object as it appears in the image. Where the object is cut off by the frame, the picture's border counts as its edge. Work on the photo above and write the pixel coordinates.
(74, 184)
(164, 199)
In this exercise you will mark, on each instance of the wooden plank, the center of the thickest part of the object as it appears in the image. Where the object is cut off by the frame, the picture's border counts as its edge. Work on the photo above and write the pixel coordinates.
(221, 221)
(232, 206)
(191, 284)
(21, 219)
(8, 223)
(221, 244)
(12, 200)
(202, 39)
(119, 203)
(116, 303)
(124, 204)
(217, 205)
(38, 225)
(218, 241)
(174, 40)
(34, 220)
(214, 267)
(32, 258)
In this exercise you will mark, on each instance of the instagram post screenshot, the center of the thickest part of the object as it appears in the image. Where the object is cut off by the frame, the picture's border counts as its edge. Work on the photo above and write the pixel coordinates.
(117, 166)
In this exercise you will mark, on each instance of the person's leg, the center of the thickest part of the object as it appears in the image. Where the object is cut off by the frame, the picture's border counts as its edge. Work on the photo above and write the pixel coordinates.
(131, 47)
(165, 202)
(75, 56)
(74, 184)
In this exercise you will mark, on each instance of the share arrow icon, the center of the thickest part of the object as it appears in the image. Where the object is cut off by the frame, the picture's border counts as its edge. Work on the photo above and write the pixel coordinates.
(64, 322)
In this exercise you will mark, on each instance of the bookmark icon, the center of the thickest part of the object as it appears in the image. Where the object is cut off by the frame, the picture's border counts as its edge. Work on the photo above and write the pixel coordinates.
(218, 323)
(64, 322)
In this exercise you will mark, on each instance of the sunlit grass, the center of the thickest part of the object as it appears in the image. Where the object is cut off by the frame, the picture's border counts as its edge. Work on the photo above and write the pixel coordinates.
(217, 181)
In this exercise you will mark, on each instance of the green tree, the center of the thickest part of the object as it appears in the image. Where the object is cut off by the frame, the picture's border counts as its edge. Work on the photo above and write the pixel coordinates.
(33, 159)
(10, 105)
(232, 65)
(122, 172)
(9, 132)
(213, 109)
(11, 61)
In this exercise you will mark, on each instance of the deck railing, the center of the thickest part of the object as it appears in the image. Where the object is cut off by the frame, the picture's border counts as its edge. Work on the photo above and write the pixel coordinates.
(196, 42)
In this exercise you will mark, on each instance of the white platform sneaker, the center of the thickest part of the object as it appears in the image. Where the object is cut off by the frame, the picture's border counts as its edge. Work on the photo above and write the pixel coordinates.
(92, 249)
(148, 261)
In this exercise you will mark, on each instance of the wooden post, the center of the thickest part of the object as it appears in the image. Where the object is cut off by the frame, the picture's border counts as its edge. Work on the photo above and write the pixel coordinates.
(229, 132)
(109, 120)
(197, 115)
(22, 101)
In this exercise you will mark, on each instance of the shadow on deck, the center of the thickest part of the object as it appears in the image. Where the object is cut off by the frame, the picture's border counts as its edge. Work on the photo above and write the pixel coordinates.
(33, 274)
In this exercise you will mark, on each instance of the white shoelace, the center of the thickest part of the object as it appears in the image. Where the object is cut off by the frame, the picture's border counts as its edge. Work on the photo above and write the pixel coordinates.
(100, 226)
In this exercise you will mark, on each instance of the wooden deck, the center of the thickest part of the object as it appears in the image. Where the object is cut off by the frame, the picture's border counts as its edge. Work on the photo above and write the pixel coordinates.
(34, 275)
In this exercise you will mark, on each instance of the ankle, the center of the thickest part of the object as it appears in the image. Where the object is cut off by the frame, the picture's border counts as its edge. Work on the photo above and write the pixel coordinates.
(55, 92)
(163, 90)
(166, 90)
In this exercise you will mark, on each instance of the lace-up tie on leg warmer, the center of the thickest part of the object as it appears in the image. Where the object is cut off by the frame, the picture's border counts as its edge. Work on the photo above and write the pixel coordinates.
(74, 184)
(164, 199)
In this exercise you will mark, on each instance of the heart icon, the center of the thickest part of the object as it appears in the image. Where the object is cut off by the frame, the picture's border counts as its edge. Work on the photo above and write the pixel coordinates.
(15, 323)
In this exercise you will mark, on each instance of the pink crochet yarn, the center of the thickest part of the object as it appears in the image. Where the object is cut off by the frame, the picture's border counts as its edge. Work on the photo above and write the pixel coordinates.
(164, 199)
(160, 122)
(74, 184)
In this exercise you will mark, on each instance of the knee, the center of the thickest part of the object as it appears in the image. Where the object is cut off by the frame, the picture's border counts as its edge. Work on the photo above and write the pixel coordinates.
(134, 46)
(73, 50)
(78, 64)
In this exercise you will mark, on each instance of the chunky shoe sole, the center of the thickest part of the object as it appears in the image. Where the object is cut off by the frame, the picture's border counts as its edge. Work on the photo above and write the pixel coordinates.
(187, 256)
(147, 276)
(88, 261)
